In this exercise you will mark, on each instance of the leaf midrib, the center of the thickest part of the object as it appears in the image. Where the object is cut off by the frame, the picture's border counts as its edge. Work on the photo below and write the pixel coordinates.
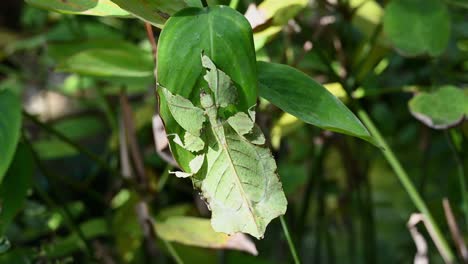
(237, 178)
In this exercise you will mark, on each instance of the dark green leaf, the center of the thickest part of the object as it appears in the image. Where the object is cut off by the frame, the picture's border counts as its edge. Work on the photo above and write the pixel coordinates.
(156, 11)
(10, 124)
(299, 95)
(441, 109)
(418, 26)
(185, 36)
(14, 187)
(81, 7)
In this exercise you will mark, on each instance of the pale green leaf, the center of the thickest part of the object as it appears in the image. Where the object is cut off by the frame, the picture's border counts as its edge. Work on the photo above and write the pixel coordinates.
(241, 185)
(241, 123)
(225, 92)
(195, 231)
(197, 163)
(441, 109)
(81, 7)
(10, 124)
(256, 136)
(193, 143)
(188, 116)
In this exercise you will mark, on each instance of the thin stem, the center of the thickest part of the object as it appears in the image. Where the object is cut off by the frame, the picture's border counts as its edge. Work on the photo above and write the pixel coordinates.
(65, 139)
(233, 4)
(461, 176)
(73, 144)
(391, 159)
(63, 209)
(405, 181)
(290, 242)
(173, 252)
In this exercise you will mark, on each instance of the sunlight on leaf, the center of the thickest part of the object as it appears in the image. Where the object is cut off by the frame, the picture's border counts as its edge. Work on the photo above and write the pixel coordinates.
(198, 232)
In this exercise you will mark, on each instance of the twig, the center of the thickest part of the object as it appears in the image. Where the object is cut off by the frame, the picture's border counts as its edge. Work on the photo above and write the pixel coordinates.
(154, 48)
(461, 176)
(455, 231)
(173, 252)
(67, 140)
(130, 133)
(290, 242)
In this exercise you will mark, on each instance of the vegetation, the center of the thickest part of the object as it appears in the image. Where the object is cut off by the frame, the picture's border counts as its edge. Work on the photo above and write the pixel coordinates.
(216, 131)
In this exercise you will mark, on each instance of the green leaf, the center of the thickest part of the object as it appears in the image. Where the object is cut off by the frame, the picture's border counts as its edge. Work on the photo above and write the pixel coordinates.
(64, 246)
(184, 37)
(190, 117)
(110, 62)
(198, 232)
(156, 11)
(62, 50)
(224, 90)
(444, 108)
(239, 183)
(299, 95)
(81, 7)
(417, 26)
(10, 124)
(14, 187)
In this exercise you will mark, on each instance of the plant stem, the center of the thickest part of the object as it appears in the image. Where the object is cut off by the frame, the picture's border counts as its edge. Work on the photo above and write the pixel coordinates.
(173, 252)
(405, 181)
(233, 4)
(461, 176)
(63, 209)
(73, 144)
(289, 239)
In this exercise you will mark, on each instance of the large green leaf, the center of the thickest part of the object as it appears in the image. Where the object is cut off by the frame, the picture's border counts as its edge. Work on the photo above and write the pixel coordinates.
(14, 188)
(10, 124)
(156, 11)
(118, 61)
(441, 109)
(82, 7)
(418, 26)
(198, 232)
(226, 37)
(234, 170)
(299, 95)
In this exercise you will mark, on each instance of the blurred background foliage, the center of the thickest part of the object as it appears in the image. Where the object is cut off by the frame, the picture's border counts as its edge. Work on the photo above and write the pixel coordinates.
(77, 76)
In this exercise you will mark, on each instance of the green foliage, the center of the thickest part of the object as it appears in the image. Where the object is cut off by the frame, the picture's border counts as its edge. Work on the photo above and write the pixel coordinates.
(14, 188)
(296, 93)
(446, 107)
(110, 62)
(84, 182)
(10, 125)
(82, 7)
(239, 180)
(185, 36)
(418, 26)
